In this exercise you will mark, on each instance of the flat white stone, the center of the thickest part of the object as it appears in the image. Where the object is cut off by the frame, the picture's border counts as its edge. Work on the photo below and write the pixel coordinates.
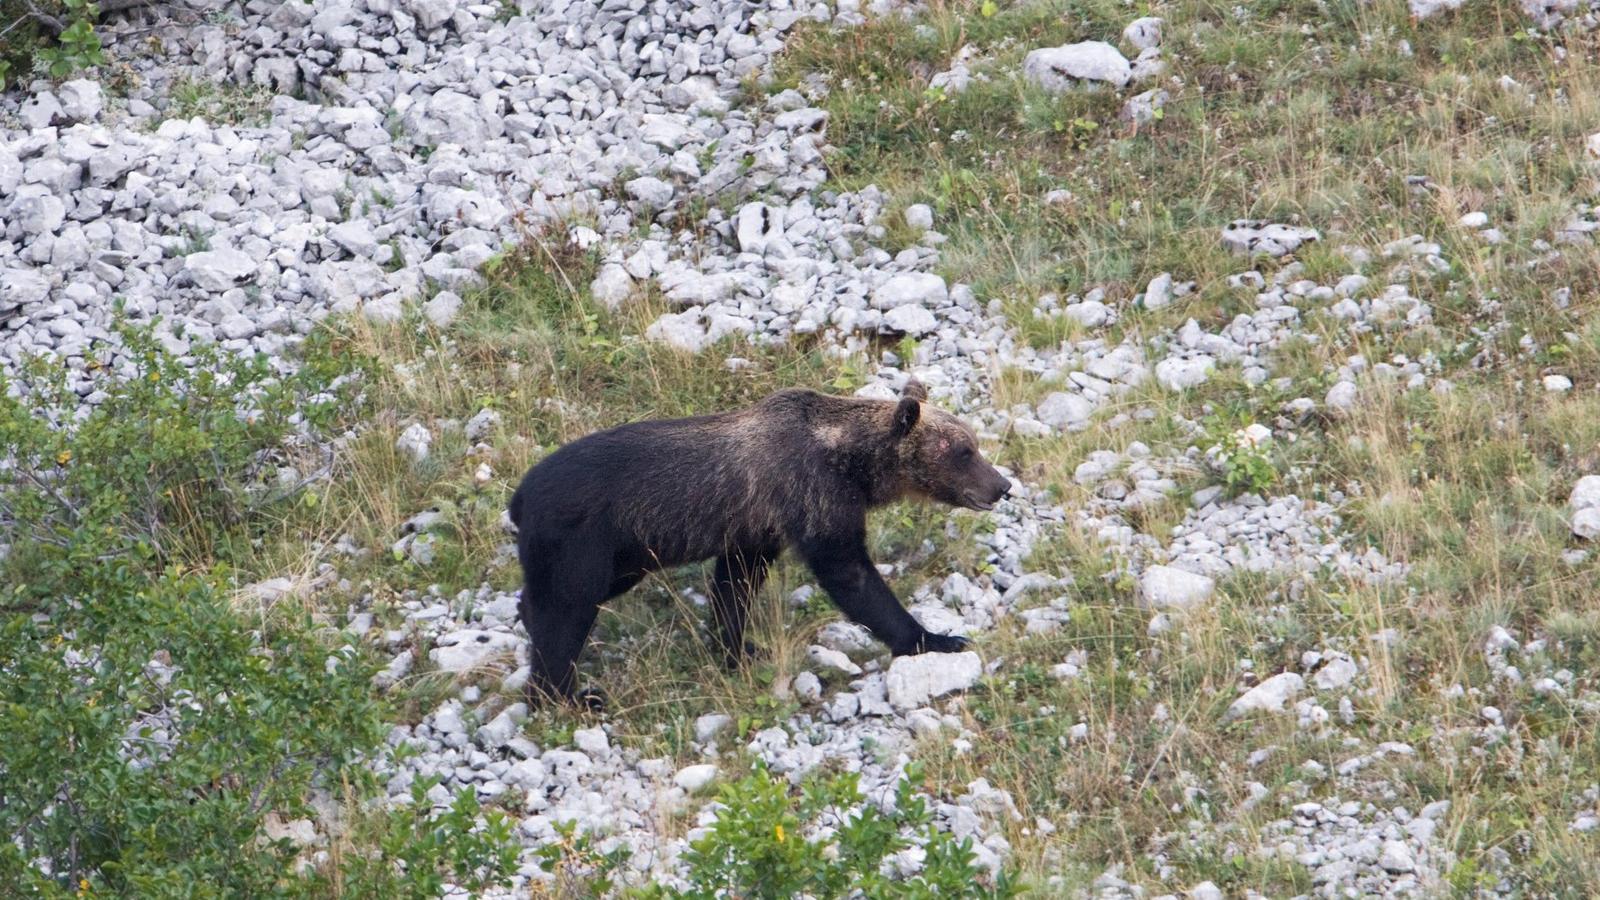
(470, 648)
(1064, 68)
(694, 779)
(1165, 587)
(914, 680)
(1272, 695)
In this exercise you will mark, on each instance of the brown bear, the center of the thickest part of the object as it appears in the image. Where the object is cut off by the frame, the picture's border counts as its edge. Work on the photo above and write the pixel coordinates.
(798, 469)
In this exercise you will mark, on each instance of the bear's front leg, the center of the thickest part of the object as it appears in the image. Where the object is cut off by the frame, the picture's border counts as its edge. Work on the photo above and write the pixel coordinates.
(845, 570)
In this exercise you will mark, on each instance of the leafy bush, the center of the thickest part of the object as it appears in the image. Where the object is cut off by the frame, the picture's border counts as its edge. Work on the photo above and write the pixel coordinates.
(148, 723)
(1244, 456)
(758, 847)
(149, 728)
(57, 34)
(415, 850)
(579, 868)
(174, 464)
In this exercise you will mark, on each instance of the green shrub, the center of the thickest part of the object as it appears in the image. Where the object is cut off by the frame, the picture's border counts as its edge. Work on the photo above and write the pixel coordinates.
(149, 728)
(413, 851)
(579, 868)
(758, 848)
(1244, 457)
(57, 35)
(148, 723)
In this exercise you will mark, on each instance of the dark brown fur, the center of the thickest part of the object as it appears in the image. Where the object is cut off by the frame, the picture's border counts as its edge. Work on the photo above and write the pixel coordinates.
(798, 469)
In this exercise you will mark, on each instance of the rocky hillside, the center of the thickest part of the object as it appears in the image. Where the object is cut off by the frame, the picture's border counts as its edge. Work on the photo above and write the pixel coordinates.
(1279, 314)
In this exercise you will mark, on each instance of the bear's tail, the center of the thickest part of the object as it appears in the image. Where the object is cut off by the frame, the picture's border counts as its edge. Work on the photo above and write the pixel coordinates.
(515, 507)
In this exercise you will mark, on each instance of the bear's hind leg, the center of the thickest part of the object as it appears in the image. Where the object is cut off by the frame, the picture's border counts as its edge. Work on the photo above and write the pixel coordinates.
(559, 614)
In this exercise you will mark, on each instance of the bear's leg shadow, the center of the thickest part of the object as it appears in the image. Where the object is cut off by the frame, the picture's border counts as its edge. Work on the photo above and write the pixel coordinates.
(739, 575)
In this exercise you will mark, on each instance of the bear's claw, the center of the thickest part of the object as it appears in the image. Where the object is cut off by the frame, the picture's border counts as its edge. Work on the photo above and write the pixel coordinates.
(941, 643)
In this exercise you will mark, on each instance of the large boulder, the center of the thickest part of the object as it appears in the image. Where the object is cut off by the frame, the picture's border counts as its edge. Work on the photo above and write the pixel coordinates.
(1089, 63)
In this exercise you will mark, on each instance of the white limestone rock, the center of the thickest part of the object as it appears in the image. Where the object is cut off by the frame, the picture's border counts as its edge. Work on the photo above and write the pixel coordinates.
(914, 680)
(1069, 67)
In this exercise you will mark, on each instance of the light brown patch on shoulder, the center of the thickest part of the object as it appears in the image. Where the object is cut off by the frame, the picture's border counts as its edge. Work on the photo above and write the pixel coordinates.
(745, 427)
(831, 435)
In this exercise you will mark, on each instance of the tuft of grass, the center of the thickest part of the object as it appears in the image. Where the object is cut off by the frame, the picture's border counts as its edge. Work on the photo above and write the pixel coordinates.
(219, 102)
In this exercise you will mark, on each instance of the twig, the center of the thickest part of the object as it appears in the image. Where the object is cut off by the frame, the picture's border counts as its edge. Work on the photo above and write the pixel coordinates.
(54, 492)
(13, 27)
(55, 25)
(324, 472)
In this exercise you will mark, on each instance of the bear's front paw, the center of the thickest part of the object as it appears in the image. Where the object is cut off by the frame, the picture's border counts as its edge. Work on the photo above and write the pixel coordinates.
(941, 643)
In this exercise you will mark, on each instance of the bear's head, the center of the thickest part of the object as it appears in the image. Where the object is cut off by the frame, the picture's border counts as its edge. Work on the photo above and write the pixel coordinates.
(938, 455)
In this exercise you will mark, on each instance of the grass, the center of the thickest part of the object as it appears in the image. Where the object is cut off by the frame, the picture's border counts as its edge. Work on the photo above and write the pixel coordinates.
(1283, 110)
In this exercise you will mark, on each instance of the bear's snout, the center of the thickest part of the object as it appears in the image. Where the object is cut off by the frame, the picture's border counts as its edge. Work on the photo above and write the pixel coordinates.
(993, 488)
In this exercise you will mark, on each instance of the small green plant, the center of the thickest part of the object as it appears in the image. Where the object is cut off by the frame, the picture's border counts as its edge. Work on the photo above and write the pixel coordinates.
(1078, 131)
(417, 852)
(195, 241)
(580, 868)
(54, 36)
(768, 708)
(851, 375)
(759, 846)
(77, 46)
(1244, 457)
(906, 349)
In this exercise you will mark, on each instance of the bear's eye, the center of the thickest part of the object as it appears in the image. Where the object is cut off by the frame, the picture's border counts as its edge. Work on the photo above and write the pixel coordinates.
(964, 454)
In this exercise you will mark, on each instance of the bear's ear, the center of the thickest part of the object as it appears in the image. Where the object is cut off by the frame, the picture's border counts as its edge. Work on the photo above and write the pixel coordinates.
(906, 414)
(914, 390)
